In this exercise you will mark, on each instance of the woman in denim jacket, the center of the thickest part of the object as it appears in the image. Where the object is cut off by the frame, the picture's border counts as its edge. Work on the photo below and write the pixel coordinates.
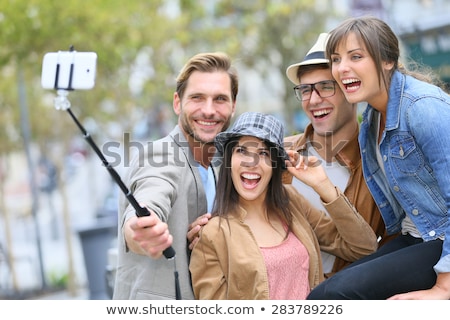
(405, 149)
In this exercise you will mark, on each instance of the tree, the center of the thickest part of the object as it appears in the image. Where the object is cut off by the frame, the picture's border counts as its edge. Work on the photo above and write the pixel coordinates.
(141, 45)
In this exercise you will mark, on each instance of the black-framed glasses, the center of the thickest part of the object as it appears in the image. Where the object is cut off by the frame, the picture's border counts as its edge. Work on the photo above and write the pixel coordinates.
(324, 89)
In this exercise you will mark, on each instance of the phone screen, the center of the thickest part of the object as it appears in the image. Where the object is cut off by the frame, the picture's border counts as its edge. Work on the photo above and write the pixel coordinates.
(69, 70)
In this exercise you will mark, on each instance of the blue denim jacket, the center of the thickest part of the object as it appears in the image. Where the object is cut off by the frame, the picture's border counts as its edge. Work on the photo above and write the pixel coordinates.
(415, 150)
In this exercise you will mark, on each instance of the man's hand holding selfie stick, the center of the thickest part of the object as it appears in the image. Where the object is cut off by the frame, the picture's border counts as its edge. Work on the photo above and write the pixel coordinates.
(65, 71)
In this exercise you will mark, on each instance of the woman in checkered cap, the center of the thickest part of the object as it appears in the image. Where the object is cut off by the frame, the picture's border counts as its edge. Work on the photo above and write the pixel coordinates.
(264, 239)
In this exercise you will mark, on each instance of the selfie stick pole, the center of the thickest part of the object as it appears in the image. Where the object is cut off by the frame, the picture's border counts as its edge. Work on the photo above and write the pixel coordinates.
(61, 102)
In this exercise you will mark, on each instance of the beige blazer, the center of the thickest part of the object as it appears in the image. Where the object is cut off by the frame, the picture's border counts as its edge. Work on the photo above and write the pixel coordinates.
(165, 177)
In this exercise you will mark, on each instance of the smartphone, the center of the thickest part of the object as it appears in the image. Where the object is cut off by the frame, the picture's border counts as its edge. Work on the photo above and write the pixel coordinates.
(69, 70)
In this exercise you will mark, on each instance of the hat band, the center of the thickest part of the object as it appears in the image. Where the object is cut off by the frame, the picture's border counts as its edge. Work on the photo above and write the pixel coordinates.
(315, 55)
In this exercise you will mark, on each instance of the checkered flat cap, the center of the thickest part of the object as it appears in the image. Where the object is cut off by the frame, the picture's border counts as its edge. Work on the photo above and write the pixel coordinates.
(263, 126)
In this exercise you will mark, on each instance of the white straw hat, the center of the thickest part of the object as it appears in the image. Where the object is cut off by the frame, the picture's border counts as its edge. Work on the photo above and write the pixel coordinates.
(316, 55)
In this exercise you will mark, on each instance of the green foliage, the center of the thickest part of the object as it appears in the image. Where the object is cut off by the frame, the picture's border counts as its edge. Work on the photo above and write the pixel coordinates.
(58, 279)
(256, 33)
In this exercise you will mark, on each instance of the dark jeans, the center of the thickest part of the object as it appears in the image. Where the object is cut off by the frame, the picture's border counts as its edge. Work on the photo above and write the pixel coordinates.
(403, 264)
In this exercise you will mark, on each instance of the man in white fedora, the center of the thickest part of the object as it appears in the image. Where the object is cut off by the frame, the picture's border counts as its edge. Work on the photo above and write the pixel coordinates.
(332, 136)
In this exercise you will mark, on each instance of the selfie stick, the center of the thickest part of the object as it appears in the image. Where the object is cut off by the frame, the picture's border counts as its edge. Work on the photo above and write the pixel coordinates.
(61, 102)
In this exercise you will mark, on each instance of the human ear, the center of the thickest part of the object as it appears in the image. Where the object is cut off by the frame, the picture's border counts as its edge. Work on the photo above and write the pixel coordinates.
(387, 66)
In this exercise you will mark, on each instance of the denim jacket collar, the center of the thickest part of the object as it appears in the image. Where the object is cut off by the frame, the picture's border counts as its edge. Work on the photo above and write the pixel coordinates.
(394, 102)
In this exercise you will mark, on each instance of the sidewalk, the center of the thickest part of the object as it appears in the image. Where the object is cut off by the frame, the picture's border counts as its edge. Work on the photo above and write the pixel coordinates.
(51, 294)
(81, 294)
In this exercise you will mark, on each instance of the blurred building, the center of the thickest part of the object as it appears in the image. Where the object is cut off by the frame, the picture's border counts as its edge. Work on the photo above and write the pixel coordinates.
(425, 32)
(423, 27)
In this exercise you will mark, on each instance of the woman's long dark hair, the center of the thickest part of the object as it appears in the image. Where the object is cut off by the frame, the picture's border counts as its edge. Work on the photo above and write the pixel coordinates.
(227, 199)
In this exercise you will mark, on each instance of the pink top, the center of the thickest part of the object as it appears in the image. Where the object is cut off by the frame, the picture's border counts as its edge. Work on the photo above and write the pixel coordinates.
(287, 267)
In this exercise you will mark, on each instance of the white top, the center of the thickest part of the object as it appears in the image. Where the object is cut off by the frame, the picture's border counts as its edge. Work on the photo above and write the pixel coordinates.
(408, 225)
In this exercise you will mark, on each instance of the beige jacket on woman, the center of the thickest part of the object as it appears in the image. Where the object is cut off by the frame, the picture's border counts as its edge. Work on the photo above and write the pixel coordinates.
(227, 264)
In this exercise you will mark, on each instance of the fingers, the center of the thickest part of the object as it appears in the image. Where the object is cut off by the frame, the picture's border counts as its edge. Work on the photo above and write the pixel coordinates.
(144, 222)
(193, 234)
(195, 227)
(150, 234)
(293, 158)
(193, 242)
(201, 220)
(310, 161)
(301, 160)
(155, 249)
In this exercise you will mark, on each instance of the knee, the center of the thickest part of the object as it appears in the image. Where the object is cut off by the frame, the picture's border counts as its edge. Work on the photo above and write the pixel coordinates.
(316, 294)
(327, 290)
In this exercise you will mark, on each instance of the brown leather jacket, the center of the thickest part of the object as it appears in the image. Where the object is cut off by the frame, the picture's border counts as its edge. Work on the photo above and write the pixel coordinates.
(356, 190)
(227, 263)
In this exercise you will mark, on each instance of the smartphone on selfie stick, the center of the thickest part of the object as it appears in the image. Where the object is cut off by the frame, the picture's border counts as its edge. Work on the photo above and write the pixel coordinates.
(66, 71)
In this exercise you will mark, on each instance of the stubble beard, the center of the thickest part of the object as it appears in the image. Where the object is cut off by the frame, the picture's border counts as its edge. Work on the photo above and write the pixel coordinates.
(191, 133)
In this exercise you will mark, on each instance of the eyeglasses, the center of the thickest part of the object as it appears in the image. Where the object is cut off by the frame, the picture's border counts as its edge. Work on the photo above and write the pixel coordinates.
(324, 89)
